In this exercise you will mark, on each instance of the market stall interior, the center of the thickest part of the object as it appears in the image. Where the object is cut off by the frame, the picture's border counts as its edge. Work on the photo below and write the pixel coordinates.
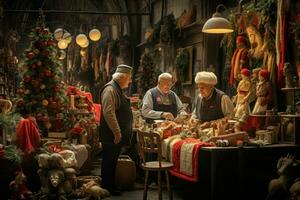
(128, 99)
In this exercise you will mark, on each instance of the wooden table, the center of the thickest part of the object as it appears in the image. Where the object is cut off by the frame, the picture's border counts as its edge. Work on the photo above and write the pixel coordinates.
(239, 173)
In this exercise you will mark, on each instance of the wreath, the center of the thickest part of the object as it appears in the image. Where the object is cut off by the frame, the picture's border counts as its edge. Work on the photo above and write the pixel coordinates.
(182, 64)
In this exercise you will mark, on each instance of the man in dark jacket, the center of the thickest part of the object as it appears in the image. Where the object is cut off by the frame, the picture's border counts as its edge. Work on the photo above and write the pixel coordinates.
(161, 102)
(115, 124)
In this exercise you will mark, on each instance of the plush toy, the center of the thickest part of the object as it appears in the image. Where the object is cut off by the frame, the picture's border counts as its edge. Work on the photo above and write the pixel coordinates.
(92, 189)
(288, 169)
(18, 187)
(70, 180)
(295, 190)
(56, 179)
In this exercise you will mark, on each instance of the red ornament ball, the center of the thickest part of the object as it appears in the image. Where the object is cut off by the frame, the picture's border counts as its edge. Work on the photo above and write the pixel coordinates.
(48, 73)
(30, 55)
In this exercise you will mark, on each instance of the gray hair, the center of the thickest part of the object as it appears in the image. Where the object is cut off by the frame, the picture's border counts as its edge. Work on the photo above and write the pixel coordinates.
(118, 76)
(164, 76)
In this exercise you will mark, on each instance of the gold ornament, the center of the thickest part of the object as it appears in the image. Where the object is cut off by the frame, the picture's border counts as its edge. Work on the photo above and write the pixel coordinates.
(43, 86)
(45, 102)
(27, 92)
(36, 51)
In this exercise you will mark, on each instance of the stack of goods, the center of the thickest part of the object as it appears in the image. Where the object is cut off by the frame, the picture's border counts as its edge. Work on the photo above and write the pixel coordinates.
(85, 116)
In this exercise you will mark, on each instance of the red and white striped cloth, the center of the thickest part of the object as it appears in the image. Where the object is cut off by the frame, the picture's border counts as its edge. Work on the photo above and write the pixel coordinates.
(183, 153)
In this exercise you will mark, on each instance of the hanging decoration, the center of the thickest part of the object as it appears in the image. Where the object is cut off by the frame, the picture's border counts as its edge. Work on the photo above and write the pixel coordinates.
(81, 39)
(62, 44)
(95, 35)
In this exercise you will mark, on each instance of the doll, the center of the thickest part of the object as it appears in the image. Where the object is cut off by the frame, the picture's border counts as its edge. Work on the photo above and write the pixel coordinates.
(263, 93)
(239, 60)
(242, 109)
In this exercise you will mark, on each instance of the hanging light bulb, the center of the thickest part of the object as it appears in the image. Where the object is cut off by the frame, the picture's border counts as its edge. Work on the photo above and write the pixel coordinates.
(85, 44)
(95, 34)
(67, 36)
(81, 39)
(58, 34)
(62, 44)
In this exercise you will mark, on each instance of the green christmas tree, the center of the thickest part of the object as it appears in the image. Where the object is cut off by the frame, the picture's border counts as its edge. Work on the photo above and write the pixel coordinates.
(42, 91)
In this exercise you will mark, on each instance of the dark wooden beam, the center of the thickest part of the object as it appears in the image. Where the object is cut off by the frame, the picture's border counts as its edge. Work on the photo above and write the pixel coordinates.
(76, 12)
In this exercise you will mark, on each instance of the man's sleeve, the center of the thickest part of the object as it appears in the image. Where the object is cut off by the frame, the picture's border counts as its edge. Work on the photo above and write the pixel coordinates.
(147, 108)
(227, 106)
(109, 103)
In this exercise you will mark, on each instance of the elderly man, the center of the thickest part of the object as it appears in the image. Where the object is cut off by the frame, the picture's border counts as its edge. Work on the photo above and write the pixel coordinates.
(211, 103)
(161, 102)
(115, 124)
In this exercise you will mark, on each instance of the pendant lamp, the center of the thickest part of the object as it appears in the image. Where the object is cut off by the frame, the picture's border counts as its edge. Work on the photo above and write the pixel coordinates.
(217, 24)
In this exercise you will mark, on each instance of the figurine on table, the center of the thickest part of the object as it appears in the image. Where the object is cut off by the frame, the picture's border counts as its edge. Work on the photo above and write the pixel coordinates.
(242, 108)
(263, 93)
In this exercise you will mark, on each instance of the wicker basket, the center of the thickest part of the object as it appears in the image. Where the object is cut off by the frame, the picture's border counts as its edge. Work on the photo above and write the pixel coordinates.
(125, 172)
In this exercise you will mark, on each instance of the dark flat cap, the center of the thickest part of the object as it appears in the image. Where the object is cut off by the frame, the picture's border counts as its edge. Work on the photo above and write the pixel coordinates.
(124, 69)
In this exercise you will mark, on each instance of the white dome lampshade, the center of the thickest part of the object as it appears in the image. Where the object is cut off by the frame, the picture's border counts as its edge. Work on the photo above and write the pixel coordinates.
(95, 35)
(62, 44)
(217, 24)
(58, 34)
(81, 39)
(85, 44)
(67, 36)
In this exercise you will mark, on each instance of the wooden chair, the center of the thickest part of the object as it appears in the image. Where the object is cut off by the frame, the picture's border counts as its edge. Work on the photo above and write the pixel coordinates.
(150, 142)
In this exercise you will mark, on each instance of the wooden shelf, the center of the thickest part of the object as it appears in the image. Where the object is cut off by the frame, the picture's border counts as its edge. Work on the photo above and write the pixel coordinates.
(290, 89)
(290, 115)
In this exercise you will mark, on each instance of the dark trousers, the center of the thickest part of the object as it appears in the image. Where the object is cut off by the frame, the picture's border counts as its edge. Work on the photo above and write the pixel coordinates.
(110, 155)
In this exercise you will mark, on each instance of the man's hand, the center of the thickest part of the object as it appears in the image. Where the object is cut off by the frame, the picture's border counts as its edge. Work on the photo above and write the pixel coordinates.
(205, 125)
(167, 115)
(118, 138)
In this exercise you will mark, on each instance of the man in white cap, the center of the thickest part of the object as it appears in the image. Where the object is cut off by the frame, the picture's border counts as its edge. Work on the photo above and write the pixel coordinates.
(115, 124)
(211, 103)
(161, 102)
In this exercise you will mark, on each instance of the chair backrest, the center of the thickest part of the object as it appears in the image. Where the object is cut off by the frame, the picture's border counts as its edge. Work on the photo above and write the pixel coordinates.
(149, 142)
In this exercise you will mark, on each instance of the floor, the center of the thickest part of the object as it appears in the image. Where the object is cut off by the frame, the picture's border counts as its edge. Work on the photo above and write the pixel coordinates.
(137, 192)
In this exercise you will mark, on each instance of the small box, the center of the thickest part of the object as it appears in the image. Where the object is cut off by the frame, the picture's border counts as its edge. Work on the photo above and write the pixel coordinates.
(60, 135)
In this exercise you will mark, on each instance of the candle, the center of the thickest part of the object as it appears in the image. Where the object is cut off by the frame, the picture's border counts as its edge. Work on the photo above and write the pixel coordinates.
(72, 102)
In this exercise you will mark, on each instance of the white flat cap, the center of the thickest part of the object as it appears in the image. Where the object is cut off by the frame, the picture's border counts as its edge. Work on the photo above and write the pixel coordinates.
(206, 77)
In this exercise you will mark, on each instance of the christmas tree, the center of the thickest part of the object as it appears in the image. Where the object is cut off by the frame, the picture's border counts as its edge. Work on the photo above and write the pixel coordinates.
(42, 91)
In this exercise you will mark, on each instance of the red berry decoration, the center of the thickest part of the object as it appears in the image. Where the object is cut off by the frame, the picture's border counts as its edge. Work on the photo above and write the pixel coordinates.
(45, 53)
(48, 73)
(27, 79)
(49, 42)
(30, 55)
(33, 66)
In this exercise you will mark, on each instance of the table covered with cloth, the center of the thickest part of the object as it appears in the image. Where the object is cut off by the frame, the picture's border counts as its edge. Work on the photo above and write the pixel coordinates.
(183, 153)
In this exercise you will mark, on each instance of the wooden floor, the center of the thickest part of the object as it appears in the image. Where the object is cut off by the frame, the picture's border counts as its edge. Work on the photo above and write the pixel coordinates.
(137, 192)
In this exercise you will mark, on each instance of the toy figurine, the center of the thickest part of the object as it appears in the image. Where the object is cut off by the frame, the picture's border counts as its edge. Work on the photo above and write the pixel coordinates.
(239, 60)
(263, 93)
(243, 93)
